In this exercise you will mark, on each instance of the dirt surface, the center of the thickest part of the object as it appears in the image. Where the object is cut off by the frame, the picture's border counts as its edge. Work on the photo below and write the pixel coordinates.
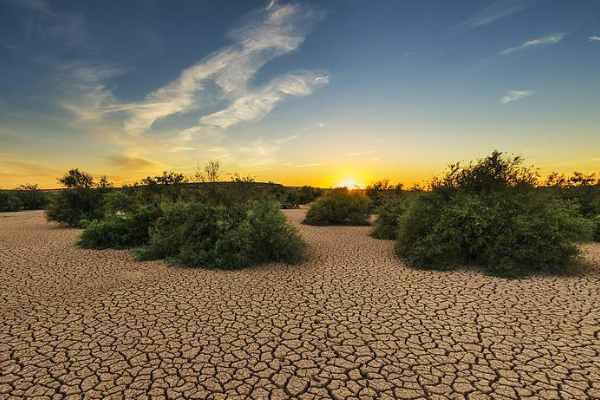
(351, 322)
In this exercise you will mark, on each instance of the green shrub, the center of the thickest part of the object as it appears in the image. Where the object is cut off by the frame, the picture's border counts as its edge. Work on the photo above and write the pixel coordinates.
(379, 191)
(120, 231)
(388, 215)
(308, 194)
(288, 198)
(236, 236)
(81, 200)
(31, 197)
(596, 226)
(9, 201)
(490, 214)
(339, 207)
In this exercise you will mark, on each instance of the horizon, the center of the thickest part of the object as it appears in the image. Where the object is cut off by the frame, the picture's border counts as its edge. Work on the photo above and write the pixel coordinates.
(319, 93)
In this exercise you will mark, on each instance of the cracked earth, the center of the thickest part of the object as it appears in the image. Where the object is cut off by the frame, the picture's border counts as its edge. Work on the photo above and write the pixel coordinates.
(352, 322)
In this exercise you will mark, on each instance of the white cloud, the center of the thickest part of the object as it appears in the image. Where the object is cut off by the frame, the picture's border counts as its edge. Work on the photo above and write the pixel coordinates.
(254, 105)
(513, 95)
(226, 74)
(594, 38)
(495, 11)
(547, 40)
(88, 98)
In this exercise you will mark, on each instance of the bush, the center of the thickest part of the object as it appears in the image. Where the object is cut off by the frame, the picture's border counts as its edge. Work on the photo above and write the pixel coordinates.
(288, 198)
(120, 230)
(9, 201)
(31, 197)
(378, 191)
(308, 194)
(489, 213)
(206, 235)
(582, 189)
(339, 207)
(388, 215)
(81, 200)
(596, 227)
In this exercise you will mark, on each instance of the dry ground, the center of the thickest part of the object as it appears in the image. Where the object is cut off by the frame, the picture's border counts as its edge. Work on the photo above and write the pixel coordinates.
(352, 322)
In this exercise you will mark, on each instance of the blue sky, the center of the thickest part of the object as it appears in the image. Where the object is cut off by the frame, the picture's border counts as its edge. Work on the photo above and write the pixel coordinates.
(295, 92)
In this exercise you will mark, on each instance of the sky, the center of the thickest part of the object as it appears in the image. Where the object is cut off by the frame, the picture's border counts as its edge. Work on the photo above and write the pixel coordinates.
(313, 92)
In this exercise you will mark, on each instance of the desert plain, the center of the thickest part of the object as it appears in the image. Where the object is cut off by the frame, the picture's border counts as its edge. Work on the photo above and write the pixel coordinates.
(351, 322)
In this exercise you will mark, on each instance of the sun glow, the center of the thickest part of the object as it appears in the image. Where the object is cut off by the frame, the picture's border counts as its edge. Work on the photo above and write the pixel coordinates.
(350, 183)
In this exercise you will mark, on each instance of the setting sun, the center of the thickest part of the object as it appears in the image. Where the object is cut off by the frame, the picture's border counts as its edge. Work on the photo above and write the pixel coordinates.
(350, 183)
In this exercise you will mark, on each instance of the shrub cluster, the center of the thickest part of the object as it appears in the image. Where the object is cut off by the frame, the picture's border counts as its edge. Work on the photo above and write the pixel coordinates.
(339, 207)
(290, 198)
(24, 197)
(81, 200)
(236, 236)
(490, 213)
(213, 226)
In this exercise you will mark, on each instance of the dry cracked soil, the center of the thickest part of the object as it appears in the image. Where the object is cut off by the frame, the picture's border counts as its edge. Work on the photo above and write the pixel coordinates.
(352, 322)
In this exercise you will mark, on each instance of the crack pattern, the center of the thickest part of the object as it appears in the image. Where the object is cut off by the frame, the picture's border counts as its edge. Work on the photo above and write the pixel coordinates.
(352, 322)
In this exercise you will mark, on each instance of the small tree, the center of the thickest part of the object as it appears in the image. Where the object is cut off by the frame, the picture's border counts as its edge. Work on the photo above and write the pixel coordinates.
(210, 175)
(82, 199)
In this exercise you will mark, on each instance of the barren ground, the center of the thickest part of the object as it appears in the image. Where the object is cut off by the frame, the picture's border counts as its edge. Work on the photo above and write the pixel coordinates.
(351, 322)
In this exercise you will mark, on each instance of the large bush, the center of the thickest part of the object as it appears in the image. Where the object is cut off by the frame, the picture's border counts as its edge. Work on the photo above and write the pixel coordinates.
(81, 200)
(490, 213)
(130, 213)
(339, 207)
(388, 216)
(201, 234)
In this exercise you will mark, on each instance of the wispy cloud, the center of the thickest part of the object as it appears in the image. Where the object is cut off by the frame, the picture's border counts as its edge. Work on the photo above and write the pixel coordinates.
(360, 153)
(87, 96)
(594, 38)
(255, 104)
(225, 75)
(36, 5)
(495, 11)
(307, 165)
(133, 163)
(514, 95)
(544, 41)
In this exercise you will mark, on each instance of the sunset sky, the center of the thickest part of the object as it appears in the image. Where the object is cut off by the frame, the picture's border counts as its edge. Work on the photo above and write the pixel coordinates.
(311, 92)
